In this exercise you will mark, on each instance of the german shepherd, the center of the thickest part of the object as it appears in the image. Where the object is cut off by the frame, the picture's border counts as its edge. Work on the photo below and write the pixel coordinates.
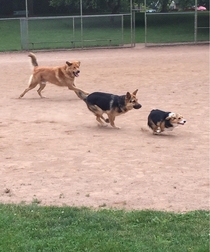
(159, 120)
(112, 105)
(60, 76)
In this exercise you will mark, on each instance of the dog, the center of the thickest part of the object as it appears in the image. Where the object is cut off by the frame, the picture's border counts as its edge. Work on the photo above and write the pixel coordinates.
(112, 105)
(159, 120)
(60, 76)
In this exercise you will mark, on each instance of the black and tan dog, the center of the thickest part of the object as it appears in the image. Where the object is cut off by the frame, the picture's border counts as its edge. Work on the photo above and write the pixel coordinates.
(159, 120)
(61, 76)
(112, 105)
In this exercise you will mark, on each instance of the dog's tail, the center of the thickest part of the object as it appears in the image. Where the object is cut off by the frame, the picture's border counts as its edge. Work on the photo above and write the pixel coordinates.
(33, 59)
(82, 95)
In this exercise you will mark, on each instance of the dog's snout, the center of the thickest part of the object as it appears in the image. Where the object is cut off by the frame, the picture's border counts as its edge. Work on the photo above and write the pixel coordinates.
(76, 73)
(137, 106)
(184, 121)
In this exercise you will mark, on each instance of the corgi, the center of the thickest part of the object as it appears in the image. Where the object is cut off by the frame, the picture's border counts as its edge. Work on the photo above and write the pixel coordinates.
(159, 120)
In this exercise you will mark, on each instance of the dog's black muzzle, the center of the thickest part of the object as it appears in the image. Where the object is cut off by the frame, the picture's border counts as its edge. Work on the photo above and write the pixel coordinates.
(137, 106)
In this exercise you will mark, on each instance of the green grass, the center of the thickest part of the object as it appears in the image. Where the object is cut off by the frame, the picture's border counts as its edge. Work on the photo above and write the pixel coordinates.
(59, 33)
(10, 35)
(170, 28)
(35, 228)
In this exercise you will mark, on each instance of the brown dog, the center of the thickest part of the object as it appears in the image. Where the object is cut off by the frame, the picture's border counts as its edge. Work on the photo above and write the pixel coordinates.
(112, 105)
(61, 76)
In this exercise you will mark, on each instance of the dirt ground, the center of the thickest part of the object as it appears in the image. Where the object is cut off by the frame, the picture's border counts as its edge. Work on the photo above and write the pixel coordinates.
(52, 151)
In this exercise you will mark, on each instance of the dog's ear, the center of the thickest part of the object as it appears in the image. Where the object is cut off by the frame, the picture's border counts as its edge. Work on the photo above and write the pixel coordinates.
(170, 115)
(78, 62)
(135, 92)
(68, 63)
(128, 95)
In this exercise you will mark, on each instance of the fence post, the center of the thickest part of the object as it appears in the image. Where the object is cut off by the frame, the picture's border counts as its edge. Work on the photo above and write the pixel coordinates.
(131, 20)
(24, 33)
(196, 22)
(122, 29)
(134, 27)
(81, 19)
(145, 23)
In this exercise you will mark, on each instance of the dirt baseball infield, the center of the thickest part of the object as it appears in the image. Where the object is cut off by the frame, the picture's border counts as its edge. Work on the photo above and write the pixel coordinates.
(53, 152)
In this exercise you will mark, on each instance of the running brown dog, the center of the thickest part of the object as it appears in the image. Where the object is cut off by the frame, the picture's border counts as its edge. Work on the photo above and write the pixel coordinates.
(62, 76)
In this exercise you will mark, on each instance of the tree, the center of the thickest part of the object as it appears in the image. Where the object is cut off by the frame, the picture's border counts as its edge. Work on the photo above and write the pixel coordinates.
(6, 7)
(113, 6)
(164, 5)
(30, 7)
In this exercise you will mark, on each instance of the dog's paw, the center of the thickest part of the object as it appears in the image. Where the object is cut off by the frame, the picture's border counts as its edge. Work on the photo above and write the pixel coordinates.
(156, 133)
(116, 127)
(158, 130)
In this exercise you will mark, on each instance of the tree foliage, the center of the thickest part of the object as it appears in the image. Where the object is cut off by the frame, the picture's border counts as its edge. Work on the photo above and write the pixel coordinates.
(116, 6)
(60, 7)
(113, 6)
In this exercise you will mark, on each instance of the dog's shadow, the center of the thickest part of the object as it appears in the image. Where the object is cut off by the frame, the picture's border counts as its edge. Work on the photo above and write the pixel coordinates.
(48, 99)
(150, 134)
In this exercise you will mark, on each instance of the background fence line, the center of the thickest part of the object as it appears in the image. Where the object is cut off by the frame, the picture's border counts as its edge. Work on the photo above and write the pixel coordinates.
(104, 31)
(181, 22)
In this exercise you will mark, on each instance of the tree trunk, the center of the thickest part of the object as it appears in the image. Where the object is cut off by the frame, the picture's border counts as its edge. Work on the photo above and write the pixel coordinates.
(30, 7)
(114, 7)
(164, 7)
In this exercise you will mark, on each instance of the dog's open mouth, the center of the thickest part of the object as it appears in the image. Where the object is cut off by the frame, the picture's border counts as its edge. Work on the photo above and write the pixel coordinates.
(182, 123)
(76, 74)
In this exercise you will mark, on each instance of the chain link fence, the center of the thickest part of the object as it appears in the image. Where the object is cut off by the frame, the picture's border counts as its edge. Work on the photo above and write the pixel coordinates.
(176, 26)
(136, 25)
(87, 31)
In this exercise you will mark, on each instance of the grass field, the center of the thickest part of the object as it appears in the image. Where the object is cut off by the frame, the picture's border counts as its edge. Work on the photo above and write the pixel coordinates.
(58, 33)
(170, 28)
(35, 228)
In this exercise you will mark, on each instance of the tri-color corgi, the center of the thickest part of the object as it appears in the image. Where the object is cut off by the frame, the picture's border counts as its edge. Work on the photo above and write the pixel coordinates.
(159, 120)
